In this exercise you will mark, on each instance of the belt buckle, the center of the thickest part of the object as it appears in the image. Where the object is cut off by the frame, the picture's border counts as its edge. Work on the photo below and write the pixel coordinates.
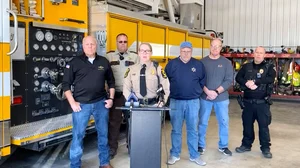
(145, 101)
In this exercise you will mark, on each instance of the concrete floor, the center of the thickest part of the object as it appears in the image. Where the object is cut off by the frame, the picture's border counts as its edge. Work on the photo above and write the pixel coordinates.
(285, 139)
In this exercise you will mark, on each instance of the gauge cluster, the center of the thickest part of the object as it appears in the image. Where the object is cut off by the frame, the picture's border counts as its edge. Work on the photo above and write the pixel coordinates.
(54, 42)
(49, 52)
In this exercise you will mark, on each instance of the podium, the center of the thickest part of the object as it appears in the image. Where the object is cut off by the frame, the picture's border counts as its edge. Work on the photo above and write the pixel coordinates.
(145, 136)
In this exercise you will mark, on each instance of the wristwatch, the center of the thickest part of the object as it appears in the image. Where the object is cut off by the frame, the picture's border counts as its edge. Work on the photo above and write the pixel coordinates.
(111, 99)
(217, 91)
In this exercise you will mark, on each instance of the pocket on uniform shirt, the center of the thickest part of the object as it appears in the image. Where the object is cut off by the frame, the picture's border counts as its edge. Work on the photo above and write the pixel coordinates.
(152, 81)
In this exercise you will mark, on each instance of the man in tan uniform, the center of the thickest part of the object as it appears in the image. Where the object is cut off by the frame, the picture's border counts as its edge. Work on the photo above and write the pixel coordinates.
(119, 60)
(143, 73)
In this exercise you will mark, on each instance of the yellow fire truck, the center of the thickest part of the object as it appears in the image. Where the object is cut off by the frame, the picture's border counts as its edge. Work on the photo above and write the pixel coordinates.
(38, 38)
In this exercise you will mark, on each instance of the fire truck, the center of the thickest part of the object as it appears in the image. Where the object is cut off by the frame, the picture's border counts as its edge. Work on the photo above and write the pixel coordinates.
(39, 37)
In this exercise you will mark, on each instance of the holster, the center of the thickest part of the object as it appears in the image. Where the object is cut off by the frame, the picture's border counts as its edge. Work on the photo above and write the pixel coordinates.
(240, 101)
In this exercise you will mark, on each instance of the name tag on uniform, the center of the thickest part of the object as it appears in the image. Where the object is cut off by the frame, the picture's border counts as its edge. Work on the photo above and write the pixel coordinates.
(115, 63)
(128, 63)
(258, 75)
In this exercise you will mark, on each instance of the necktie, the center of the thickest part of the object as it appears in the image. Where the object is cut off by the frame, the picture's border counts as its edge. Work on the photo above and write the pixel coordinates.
(143, 89)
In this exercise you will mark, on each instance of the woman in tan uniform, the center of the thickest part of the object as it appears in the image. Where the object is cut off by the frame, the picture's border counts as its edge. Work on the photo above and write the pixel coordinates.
(146, 78)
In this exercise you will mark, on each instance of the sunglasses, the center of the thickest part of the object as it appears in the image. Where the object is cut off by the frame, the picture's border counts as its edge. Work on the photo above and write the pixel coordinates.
(122, 42)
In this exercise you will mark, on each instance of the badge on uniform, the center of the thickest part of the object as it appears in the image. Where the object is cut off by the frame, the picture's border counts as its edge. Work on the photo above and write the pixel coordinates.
(126, 73)
(261, 71)
(193, 69)
(67, 66)
(153, 72)
(163, 73)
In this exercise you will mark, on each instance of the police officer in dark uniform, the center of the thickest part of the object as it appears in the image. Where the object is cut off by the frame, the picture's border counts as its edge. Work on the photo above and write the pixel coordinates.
(256, 79)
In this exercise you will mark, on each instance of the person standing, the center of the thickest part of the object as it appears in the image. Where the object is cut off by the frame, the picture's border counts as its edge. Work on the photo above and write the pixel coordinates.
(187, 79)
(119, 60)
(219, 77)
(256, 79)
(145, 78)
(88, 74)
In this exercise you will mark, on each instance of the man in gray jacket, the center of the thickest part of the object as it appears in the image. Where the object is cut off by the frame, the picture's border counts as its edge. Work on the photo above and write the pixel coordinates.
(219, 77)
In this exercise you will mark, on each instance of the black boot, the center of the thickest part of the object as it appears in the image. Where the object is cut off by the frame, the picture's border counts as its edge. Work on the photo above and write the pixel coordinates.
(267, 153)
(242, 149)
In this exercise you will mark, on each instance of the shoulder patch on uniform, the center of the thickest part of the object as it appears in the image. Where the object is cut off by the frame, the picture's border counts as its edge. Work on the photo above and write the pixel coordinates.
(126, 73)
(110, 51)
(163, 74)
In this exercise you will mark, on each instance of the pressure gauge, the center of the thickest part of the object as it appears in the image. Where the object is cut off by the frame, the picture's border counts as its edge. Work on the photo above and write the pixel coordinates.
(68, 48)
(53, 47)
(49, 36)
(45, 47)
(36, 69)
(75, 45)
(36, 83)
(36, 46)
(74, 36)
(60, 47)
(39, 35)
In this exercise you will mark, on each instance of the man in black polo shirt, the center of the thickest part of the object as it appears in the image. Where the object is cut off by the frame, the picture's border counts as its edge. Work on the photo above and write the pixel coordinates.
(88, 73)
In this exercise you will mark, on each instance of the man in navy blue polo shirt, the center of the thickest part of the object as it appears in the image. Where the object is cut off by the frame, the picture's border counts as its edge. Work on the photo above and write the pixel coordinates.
(187, 79)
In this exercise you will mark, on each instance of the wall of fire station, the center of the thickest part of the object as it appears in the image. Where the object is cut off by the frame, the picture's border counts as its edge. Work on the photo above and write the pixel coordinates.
(247, 23)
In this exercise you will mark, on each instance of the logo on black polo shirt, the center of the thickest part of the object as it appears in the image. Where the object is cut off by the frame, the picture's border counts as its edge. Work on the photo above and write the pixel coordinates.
(100, 68)
(193, 69)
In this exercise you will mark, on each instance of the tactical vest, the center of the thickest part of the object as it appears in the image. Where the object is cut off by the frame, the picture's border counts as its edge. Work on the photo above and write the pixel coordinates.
(254, 74)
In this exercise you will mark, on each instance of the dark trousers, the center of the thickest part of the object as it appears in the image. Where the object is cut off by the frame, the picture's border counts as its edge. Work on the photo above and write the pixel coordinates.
(115, 120)
(260, 112)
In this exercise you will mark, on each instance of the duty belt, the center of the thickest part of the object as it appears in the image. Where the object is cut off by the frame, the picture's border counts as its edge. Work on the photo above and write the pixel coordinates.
(255, 101)
(147, 101)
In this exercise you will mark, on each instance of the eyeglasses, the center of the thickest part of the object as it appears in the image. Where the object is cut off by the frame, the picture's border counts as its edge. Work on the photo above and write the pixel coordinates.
(145, 51)
(218, 46)
(122, 42)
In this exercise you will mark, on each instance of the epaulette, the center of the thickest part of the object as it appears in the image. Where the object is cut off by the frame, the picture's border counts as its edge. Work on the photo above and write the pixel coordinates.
(110, 51)
(133, 52)
(155, 63)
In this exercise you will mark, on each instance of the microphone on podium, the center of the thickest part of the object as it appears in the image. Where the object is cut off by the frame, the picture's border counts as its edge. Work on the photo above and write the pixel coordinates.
(132, 100)
(160, 89)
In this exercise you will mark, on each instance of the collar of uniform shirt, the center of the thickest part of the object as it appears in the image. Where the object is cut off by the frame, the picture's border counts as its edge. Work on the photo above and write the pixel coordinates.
(148, 64)
(117, 52)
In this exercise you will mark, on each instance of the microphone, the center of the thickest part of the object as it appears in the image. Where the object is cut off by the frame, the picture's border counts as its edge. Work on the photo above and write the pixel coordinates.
(160, 89)
(132, 100)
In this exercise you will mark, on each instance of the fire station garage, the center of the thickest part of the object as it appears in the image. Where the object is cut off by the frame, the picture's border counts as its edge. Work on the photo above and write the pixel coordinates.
(149, 83)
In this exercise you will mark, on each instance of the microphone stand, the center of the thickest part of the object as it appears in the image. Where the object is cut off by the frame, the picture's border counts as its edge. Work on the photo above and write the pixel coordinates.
(161, 98)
